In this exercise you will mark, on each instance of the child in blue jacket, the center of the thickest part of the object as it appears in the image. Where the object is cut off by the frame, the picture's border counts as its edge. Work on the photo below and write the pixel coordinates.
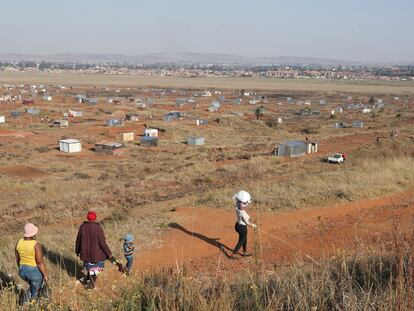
(128, 251)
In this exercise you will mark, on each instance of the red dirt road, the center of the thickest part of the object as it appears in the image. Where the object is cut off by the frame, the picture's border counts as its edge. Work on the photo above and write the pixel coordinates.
(308, 233)
(195, 237)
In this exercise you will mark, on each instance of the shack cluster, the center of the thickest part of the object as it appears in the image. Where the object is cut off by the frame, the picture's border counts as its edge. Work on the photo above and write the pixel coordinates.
(128, 114)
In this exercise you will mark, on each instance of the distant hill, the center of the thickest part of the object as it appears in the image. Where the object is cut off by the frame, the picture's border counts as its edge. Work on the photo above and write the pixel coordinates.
(182, 58)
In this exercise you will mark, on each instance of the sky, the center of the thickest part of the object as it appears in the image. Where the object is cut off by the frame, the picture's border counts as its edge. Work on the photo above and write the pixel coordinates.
(354, 30)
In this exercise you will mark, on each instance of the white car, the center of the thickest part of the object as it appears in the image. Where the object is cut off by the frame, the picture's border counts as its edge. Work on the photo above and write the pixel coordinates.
(337, 158)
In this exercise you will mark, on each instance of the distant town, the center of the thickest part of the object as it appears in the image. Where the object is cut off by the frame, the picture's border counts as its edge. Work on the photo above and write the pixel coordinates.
(341, 72)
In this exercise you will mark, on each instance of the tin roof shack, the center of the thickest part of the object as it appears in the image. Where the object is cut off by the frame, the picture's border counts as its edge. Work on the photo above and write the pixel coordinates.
(338, 109)
(115, 122)
(15, 114)
(221, 99)
(110, 148)
(309, 112)
(90, 101)
(73, 113)
(32, 111)
(173, 115)
(215, 106)
(196, 141)
(60, 123)
(80, 98)
(151, 132)
(292, 148)
(47, 98)
(340, 125)
(179, 102)
(149, 141)
(237, 101)
(263, 99)
(127, 136)
(2, 119)
(131, 117)
(70, 145)
(358, 124)
(201, 122)
(28, 102)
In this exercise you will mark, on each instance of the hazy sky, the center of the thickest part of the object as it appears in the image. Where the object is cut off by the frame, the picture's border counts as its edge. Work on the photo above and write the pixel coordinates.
(367, 30)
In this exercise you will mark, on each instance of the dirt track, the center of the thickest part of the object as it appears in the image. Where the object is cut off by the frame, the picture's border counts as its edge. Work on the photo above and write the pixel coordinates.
(197, 235)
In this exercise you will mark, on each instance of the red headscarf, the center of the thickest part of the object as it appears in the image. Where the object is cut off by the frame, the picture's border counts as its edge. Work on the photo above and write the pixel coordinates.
(91, 216)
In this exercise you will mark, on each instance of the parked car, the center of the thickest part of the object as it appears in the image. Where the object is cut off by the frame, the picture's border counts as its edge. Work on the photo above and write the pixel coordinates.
(337, 158)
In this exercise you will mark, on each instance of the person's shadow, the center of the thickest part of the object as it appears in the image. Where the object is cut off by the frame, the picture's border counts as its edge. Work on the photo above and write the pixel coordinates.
(7, 282)
(68, 264)
(212, 241)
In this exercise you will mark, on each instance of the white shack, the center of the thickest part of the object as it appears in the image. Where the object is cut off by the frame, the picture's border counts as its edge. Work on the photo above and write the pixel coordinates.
(60, 123)
(2, 119)
(151, 132)
(70, 145)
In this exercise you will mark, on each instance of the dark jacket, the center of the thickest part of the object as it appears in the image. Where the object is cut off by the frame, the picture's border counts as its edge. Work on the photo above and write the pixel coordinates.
(90, 243)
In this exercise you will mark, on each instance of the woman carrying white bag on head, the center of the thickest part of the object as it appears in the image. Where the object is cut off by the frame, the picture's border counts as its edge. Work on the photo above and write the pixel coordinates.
(242, 199)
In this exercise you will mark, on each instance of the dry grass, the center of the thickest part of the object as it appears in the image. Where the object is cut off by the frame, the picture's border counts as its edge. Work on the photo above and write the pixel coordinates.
(133, 194)
(310, 85)
(374, 279)
(370, 173)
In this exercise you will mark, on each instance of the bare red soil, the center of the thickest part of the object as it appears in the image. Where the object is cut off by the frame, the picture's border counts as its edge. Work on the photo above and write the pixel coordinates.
(198, 233)
(197, 236)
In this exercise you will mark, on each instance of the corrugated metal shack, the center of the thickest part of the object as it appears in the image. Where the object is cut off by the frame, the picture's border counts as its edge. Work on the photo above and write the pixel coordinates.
(201, 122)
(110, 148)
(149, 141)
(33, 111)
(296, 148)
(15, 114)
(173, 115)
(291, 148)
(358, 124)
(60, 123)
(198, 141)
(70, 145)
(115, 122)
(131, 117)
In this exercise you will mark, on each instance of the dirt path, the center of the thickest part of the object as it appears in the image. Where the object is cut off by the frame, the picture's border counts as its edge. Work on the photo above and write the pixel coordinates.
(195, 237)
(314, 232)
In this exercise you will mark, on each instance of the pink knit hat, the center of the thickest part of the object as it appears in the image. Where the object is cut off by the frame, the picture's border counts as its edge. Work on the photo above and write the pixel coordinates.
(30, 230)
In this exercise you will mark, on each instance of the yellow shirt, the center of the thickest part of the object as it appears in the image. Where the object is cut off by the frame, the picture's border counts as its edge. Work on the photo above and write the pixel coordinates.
(26, 251)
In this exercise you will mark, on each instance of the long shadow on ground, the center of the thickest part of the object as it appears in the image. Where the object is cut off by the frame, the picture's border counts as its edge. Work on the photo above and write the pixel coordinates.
(211, 241)
(69, 264)
(7, 282)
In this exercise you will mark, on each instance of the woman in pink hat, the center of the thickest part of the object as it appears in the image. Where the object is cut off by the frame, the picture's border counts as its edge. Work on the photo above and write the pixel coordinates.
(29, 259)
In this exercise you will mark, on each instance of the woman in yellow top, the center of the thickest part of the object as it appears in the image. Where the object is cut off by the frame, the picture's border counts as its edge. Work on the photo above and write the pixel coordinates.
(29, 259)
